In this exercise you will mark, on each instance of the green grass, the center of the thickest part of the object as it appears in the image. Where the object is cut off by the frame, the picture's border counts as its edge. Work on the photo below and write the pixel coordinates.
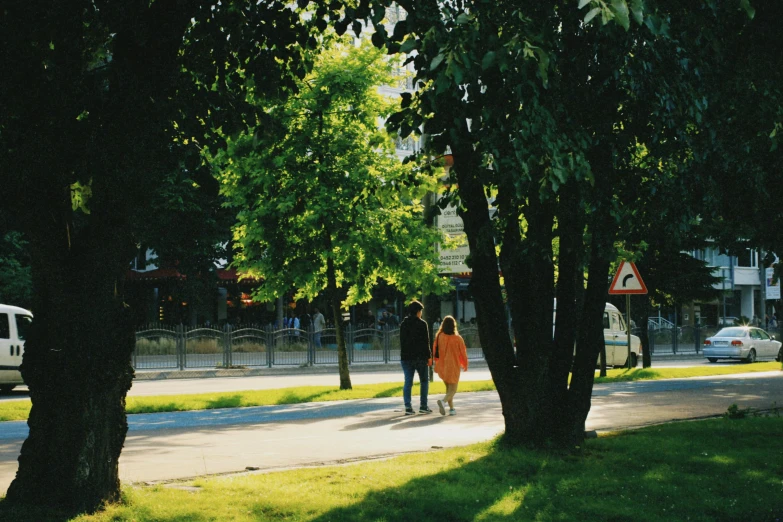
(716, 470)
(19, 410)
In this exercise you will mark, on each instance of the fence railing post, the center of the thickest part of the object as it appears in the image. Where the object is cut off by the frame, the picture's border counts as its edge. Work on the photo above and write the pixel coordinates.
(386, 345)
(310, 345)
(651, 340)
(226, 336)
(270, 345)
(181, 345)
(349, 343)
(675, 335)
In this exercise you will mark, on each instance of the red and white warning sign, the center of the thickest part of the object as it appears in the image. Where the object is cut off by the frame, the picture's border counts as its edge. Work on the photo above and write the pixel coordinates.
(627, 280)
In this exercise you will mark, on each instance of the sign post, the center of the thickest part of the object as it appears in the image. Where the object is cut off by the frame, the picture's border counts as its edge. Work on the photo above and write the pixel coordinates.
(627, 281)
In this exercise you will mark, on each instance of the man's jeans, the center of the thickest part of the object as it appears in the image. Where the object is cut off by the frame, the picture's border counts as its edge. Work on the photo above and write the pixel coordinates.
(409, 368)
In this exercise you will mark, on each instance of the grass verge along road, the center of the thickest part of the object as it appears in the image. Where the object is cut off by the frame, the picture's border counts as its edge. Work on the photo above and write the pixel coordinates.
(716, 470)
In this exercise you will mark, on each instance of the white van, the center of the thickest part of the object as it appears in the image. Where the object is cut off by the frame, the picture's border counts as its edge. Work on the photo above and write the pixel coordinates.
(615, 338)
(14, 324)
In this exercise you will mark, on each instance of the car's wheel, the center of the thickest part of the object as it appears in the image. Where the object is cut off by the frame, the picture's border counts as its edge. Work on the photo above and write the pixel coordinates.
(7, 388)
(751, 356)
(712, 359)
(634, 360)
(779, 358)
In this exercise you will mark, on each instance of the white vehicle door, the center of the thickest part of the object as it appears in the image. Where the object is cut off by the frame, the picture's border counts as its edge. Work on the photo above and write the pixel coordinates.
(767, 348)
(23, 323)
(620, 351)
(5, 339)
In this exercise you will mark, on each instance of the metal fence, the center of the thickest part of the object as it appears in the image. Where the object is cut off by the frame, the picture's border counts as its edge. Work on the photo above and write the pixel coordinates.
(180, 347)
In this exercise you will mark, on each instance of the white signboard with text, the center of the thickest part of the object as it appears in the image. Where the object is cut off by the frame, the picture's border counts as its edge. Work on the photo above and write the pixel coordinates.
(452, 260)
(773, 291)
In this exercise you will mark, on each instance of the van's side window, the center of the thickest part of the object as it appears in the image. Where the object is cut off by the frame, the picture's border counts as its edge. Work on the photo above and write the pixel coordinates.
(5, 327)
(606, 320)
(615, 321)
(23, 323)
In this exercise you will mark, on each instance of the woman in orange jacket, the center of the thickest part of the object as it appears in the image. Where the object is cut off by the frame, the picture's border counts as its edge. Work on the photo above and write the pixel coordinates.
(451, 356)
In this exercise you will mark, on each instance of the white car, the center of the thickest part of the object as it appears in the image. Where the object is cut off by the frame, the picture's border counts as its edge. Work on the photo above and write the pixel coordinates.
(14, 323)
(746, 343)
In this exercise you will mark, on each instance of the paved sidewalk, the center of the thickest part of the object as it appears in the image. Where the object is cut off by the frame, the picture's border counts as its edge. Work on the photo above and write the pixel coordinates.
(187, 444)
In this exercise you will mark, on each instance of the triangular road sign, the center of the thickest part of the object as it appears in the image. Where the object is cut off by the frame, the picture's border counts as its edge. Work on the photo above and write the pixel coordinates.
(627, 280)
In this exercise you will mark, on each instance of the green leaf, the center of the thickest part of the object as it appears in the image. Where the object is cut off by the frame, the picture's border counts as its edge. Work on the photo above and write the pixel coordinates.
(488, 60)
(463, 18)
(620, 10)
(591, 14)
(637, 9)
(583, 3)
(437, 61)
(748, 8)
(408, 45)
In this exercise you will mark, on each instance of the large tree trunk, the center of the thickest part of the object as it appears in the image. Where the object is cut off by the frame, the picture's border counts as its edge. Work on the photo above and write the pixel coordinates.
(568, 304)
(485, 287)
(529, 275)
(590, 343)
(590, 338)
(76, 365)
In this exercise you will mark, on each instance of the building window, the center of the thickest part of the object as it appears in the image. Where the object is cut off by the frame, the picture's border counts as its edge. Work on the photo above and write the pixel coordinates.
(747, 259)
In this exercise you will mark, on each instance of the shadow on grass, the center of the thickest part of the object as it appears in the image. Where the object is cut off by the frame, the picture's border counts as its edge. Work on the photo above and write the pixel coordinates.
(630, 375)
(155, 408)
(394, 391)
(15, 513)
(291, 397)
(607, 480)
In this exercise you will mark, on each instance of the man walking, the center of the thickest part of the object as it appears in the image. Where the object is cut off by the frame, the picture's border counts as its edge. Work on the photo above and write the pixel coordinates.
(415, 356)
(319, 323)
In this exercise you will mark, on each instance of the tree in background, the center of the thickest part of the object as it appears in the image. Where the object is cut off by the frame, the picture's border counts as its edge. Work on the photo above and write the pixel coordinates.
(324, 205)
(15, 280)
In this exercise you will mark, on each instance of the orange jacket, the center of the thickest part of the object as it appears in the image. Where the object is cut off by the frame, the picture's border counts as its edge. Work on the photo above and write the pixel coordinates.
(452, 355)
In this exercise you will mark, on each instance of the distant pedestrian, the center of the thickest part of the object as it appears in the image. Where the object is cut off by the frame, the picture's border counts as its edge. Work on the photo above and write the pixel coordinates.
(415, 356)
(436, 325)
(451, 356)
(305, 322)
(319, 323)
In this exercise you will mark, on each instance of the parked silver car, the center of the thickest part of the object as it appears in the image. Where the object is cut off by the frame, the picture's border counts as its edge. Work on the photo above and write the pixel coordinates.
(747, 343)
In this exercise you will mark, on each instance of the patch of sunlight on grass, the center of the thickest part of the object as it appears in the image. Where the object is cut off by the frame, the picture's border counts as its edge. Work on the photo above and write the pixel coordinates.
(752, 474)
(505, 507)
(15, 410)
(722, 459)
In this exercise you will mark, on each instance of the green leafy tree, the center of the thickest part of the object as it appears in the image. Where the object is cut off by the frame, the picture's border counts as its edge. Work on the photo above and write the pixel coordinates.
(547, 105)
(324, 203)
(102, 103)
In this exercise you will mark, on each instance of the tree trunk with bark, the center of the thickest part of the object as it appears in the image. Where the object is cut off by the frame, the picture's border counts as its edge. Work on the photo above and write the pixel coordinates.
(77, 364)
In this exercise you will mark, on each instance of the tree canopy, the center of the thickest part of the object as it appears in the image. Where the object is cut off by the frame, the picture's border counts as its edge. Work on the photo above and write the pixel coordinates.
(323, 202)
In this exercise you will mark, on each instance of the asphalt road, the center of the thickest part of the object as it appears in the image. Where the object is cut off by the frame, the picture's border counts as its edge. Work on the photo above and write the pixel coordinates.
(188, 444)
(174, 384)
